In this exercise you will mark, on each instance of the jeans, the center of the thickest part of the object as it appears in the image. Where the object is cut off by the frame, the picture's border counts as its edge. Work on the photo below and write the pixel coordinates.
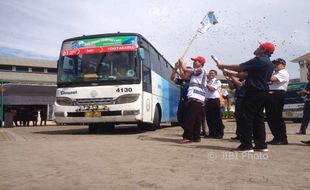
(306, 117)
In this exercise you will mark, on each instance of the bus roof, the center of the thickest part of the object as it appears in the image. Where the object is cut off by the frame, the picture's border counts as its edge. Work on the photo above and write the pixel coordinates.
(115, 34)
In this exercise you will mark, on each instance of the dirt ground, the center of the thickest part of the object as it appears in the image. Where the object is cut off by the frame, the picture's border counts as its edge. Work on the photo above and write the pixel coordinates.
(67, 157)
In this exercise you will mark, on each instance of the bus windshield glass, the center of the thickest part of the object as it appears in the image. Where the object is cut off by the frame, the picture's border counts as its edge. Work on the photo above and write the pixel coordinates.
(98, 63)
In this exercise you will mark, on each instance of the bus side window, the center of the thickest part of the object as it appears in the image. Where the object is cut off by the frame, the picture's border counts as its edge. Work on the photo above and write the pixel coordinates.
(155, 62)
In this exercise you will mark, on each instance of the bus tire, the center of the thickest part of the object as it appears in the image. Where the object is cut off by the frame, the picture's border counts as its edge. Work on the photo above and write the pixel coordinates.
(152, 126)
(92, 128)
(108, 127)
(156, 120)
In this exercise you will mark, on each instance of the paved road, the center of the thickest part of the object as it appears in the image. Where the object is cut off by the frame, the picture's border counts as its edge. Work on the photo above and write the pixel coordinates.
(67, 157)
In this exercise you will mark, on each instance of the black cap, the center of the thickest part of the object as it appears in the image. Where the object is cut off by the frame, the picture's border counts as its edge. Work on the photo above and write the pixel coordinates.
(279, 60)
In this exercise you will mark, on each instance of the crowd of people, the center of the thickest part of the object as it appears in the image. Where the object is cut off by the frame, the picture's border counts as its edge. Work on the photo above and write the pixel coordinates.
(259, 84)
(22, 116)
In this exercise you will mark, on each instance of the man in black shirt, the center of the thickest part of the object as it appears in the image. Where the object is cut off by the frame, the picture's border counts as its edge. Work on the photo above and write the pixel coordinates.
(259, 71)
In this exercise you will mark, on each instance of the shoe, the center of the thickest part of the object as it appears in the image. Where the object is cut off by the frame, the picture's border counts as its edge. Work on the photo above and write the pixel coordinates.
(203, 134)
(272, 141)
(306, 142)
(209, 137)
(277, 142)
(197, 140)
(218, 137)
(235, 138)
(242, 148)
(185, 141)
(301, 133)
(258, 149)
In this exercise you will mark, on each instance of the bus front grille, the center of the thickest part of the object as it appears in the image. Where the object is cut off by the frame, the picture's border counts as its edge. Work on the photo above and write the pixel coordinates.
(93, 101)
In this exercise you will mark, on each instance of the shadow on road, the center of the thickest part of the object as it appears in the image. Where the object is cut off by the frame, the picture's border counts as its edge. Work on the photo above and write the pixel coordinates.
(125, 130)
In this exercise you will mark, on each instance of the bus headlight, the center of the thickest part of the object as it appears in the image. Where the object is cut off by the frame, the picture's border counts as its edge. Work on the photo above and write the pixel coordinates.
(127, 98)
(64, 101)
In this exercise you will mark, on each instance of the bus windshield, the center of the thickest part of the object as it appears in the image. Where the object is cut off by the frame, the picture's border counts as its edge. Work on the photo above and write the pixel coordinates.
(100, 68)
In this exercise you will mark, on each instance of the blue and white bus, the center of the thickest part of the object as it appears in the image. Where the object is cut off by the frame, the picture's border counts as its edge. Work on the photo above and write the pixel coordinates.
(111, 79)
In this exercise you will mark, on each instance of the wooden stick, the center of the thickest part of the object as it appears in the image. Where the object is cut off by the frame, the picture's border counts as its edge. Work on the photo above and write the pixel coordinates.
(190, 44)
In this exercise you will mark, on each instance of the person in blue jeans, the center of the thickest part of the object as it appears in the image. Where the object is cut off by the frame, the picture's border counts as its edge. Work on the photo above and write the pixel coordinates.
(184, 84)
(306, 112)
(238, 85)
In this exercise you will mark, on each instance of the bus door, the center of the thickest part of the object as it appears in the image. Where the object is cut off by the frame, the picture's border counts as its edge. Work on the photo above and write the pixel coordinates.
(147, 103)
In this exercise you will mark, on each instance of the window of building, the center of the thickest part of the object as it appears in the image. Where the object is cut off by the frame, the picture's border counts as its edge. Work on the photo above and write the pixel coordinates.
(6, 68)
(22, 69)
(37, 69)
(52, 70)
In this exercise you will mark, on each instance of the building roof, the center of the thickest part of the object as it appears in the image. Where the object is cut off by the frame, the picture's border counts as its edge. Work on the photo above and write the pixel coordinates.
(28, 77)
(19, 61)
(305, 57)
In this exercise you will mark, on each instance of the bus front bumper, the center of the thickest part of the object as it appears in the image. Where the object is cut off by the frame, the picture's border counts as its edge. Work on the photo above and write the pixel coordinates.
(118, 116)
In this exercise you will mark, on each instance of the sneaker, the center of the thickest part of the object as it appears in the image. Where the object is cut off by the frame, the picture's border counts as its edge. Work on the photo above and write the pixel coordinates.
(218, 137)
(257, 149)
(209, 137)
(306, 142)
(272, 141)
(277, 142)
(242, 148)
(235, 138)
(301, 133)
(203, 134)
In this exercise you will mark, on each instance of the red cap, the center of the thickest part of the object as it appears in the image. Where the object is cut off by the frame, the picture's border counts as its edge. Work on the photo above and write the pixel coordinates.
(200, 59)
(268, 46)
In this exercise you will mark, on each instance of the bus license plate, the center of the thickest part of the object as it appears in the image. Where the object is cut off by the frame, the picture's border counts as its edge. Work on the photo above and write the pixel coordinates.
(289, 114)
(93, 114)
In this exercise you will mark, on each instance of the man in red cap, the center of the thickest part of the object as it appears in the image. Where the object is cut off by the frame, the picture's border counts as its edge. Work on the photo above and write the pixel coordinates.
(259, 71)
(196, 96)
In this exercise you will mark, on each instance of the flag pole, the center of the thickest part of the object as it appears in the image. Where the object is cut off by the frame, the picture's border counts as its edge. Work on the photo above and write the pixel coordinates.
(190, 44)
(207, 21)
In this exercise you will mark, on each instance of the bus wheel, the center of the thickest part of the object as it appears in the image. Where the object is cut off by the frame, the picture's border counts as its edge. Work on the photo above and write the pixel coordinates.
(151, 126)
(108, 127)
(92, 128)
(156, 120)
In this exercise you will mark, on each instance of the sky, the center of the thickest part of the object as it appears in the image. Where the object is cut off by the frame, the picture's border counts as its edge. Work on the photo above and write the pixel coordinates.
(36, 28)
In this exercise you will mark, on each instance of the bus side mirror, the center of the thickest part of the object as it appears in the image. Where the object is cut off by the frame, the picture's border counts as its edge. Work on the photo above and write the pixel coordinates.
(141, 53)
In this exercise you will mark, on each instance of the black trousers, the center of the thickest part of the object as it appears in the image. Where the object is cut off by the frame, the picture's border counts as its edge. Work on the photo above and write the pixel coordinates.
(252, 119)
(274, 108)
(238, 103)
(192, 119)
(214, 119)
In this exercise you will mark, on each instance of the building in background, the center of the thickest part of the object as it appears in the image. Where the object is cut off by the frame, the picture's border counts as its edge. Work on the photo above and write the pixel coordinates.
(304, 65)
(27, 85)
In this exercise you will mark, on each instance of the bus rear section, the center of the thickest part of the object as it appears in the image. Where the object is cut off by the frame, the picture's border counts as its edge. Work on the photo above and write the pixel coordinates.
(104, 80)
(294, 102)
